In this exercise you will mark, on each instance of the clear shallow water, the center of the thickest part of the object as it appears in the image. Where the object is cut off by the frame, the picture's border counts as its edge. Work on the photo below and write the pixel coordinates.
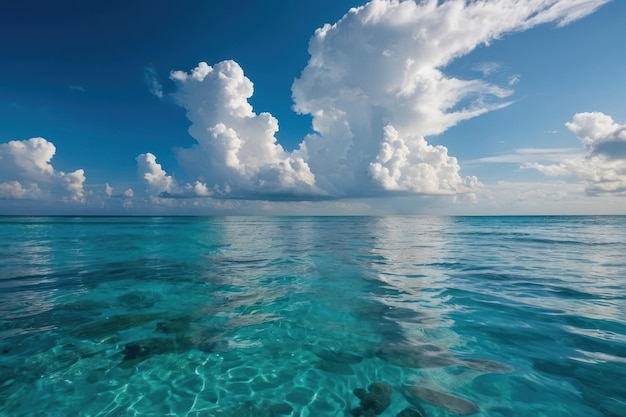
(518, 316)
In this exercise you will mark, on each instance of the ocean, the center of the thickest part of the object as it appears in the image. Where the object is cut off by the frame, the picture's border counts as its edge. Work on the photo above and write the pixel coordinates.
(313, 316)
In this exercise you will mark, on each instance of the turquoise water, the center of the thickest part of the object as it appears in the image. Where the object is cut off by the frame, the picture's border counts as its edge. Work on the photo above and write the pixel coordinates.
(486, 316)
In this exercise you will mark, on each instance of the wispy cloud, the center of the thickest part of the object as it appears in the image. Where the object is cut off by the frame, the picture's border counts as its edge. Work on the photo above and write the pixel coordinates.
(77, 87)
(487, 68)
(527, 155)
(151, 79)
(514, 79)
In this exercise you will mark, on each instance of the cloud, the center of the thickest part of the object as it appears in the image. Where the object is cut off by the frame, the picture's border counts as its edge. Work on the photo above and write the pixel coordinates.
(151, 79)
(26, 172)
(514, 79)
(162, 185)
(528, 155)
(487, 68)
(237, 150)
(602, 167)
(77, 88)
(417, 166)
(15, 190)
(129, 193)
(375, 86)
(536, 197)
(154, 174)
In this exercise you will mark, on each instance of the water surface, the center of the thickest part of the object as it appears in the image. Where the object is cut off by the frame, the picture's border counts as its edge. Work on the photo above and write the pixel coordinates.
(244, 316)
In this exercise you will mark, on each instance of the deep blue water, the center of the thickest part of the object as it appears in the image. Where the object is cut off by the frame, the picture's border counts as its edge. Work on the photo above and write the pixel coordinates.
(287, 316)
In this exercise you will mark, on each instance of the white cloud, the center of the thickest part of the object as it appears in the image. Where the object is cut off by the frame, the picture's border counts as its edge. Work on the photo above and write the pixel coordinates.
(487, 68)
(602, 168)
(15, 190)
(237, 151)
(162, 185)
(375, 85)
(514, 79)
(74, 183)
(156, 177)
(417, 166)
(151, 79)
(26, 172)
(129, 193)
(528, 155)
(383, 66)
(555, 197)
(77, 88)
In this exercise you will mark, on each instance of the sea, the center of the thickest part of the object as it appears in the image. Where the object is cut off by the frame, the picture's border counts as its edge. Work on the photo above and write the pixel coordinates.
(395, 316)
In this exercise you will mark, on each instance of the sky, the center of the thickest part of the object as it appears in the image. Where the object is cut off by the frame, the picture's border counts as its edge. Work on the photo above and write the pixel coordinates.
(314, 107)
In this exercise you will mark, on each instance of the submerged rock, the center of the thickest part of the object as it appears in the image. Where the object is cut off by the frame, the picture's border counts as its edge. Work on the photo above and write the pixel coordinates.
(359, 392)
(114, 324)
(178, 325)
(452, 403)
(209, 340)
(417, 356)
(281, 409)
(136, 352)
(250, 409)
(335, 367)
(138, 299)
(488, 366)
(338, 356)
(374, 401)
(428, 355)
(265, 409)
(409, 412)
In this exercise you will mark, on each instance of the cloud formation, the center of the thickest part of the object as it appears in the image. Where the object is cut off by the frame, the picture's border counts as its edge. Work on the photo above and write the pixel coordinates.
(26, 172)
(603, 165)
(375, 86)
(151, 79)
(237, 151)
(163, 185)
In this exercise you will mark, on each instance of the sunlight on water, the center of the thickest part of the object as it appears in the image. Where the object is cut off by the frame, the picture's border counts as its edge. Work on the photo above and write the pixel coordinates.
(390, 316)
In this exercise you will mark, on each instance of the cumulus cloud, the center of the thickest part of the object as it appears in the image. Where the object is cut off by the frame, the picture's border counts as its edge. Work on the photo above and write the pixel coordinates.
(383, 65)
(603, 165)
(162, 185)
(154, 174)
(129, 193)
(237, 151)
(26, 172)
(417, 166)
(375, 86)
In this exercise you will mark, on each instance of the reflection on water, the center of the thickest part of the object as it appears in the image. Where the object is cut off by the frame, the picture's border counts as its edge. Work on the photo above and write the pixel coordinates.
(312, 316)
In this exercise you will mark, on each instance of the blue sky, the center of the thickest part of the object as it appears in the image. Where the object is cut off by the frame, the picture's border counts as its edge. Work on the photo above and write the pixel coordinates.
(230, 107)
